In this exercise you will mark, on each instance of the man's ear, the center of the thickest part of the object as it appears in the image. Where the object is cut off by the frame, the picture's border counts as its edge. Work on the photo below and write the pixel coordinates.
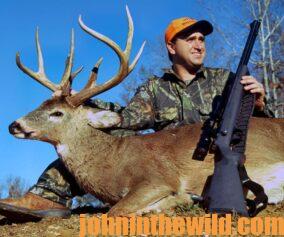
(171, 47)
(103, 119)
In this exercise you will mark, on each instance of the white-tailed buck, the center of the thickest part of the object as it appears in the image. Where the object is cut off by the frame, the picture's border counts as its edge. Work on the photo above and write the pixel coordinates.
(137, 173)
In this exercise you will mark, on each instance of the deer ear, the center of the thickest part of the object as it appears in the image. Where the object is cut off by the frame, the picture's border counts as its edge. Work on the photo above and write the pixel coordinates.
(103, 119)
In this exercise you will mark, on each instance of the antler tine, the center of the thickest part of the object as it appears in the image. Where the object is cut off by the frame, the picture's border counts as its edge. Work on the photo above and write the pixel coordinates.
(129, 42)
(101, 37)
(124, 69)
(130, 32)
(39, 53)
(65, 82)
(133, 64)
(66, 90)
(74, 74)
(40, 75)
(94, 74)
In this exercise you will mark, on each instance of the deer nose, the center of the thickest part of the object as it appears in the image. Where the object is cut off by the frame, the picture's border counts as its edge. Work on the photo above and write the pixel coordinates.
(14, 127)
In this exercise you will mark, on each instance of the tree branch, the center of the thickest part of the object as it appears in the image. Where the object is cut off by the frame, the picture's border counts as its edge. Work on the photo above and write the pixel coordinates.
(274, 28)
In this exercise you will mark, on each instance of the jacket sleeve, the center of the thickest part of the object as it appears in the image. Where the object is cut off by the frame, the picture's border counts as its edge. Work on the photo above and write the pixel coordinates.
(139, 113)
(267, 112)
(100, 104)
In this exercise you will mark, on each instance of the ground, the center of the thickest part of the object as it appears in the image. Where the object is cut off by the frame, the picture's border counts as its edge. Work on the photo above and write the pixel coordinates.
(53, 227)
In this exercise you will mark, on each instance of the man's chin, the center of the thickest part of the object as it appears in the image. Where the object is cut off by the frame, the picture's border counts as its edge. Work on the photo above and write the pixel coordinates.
(198, 61)
(197, 66)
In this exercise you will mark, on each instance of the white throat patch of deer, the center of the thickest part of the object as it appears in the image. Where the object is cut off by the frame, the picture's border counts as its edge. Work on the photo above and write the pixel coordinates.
(139, 173)
(62, 150)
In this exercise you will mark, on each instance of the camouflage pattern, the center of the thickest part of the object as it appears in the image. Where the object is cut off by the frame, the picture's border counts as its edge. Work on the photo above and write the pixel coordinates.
(100, 104)
(167, 102)
(161, 103)
(57, 184)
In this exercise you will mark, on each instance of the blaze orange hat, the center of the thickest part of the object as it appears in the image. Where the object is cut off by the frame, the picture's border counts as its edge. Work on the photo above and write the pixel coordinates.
(184, 24)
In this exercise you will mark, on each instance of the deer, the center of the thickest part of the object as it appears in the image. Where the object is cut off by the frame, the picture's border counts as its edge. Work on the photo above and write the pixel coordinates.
(135, 174)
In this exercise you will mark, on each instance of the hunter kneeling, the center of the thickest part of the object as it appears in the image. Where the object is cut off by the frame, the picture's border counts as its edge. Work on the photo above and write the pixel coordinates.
(134, 174)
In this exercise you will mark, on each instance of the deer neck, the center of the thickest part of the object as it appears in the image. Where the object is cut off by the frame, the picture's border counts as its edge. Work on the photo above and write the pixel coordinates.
(79, 145)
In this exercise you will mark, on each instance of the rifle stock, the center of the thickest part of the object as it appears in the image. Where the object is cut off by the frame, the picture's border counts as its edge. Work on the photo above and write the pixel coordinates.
(226, 193)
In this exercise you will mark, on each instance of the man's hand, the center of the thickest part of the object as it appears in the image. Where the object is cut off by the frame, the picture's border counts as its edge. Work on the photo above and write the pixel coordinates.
(253, 86)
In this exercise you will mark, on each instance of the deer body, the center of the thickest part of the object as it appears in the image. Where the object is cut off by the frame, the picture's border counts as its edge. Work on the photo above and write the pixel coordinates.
(122, 171)
(164, 158)
(137, 173)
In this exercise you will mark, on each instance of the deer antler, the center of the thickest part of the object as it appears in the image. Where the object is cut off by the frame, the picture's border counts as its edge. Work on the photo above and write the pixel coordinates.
(40, 75)
(91, 89)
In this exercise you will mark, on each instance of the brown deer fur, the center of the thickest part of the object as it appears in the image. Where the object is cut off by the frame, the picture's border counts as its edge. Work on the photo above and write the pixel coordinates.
(134, 173)
(139, 173)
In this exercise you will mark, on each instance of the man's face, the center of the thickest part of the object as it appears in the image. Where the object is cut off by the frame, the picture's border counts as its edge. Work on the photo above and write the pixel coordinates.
(188, 50)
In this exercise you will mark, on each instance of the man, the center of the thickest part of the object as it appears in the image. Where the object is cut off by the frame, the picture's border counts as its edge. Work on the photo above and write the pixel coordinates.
(183, 95)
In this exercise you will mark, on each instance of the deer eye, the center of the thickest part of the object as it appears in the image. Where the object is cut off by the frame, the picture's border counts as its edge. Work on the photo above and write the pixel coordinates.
(56, 114)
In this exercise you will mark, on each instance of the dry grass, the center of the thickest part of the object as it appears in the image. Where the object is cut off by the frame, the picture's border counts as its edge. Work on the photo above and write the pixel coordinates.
(53, 227)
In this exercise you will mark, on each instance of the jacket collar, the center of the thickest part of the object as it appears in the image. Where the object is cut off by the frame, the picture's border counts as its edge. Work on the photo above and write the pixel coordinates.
(170, 74)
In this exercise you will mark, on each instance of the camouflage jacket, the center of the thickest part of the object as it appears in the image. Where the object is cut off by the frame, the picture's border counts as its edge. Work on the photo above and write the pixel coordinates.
(166, 102)
(169, 102)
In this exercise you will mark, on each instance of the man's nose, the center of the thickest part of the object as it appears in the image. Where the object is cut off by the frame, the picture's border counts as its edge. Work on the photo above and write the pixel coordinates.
(198, 44)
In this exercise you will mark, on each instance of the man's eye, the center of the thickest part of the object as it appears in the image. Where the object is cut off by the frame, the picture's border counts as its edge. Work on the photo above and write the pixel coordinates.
(189, 39)
(57, 114)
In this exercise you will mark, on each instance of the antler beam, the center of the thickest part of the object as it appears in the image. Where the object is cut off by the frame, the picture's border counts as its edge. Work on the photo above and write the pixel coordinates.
(90, 89)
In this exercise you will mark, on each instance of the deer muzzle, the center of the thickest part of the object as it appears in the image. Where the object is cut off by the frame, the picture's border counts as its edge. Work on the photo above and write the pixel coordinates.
(17, 130)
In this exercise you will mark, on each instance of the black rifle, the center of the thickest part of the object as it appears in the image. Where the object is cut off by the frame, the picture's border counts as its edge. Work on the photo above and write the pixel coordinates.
(225, 193)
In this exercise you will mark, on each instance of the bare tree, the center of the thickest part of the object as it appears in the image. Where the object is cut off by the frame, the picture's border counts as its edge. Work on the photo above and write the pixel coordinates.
(132, 83)
(267, 59)
(270, 62)
(156, 61)
(16, 186)
(1, 190)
